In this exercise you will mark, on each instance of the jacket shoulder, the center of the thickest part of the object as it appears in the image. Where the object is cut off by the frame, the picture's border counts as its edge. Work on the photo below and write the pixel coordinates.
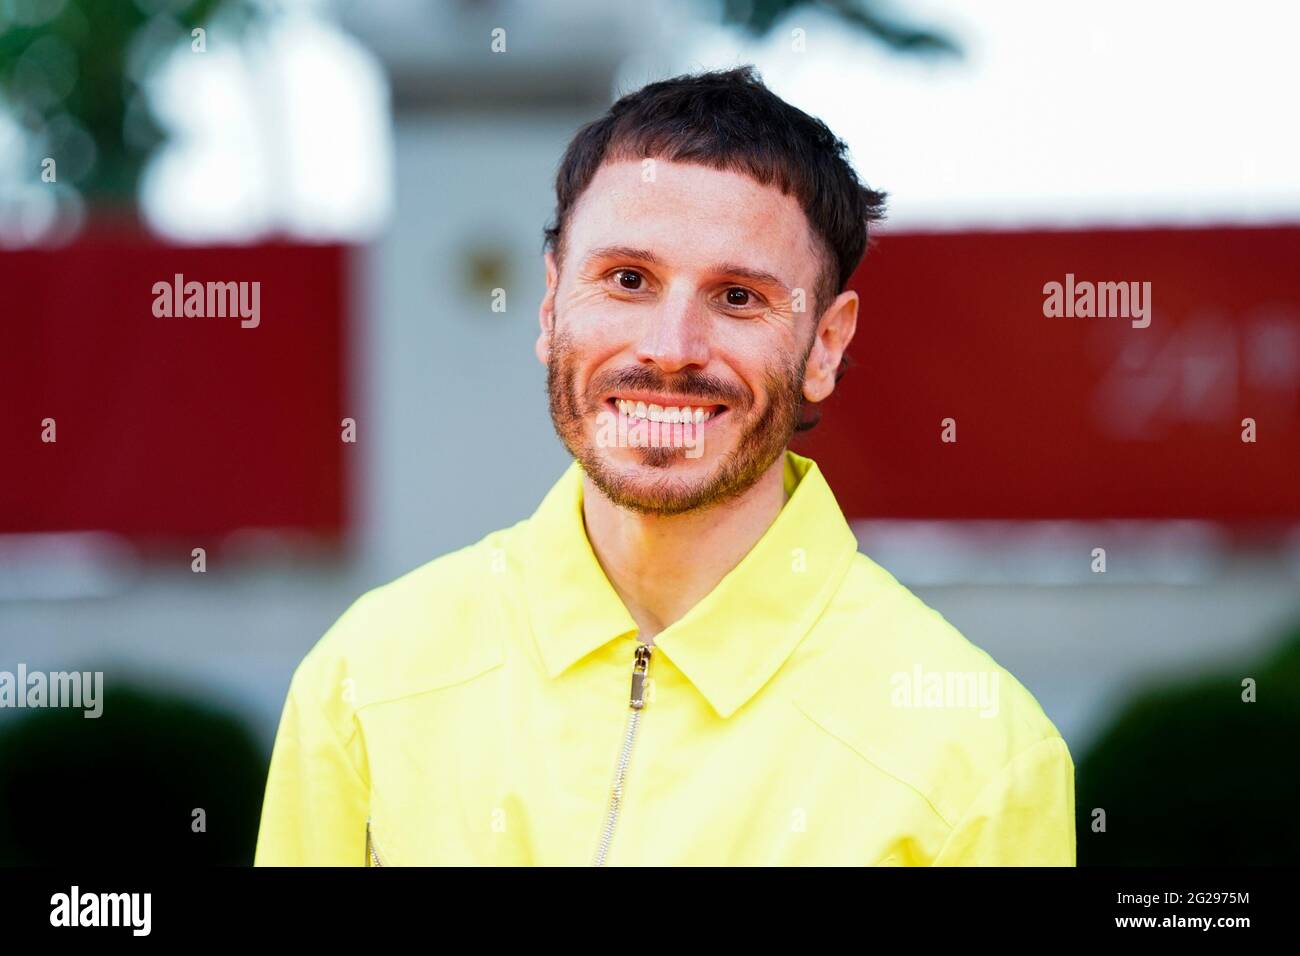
(906, 690)
(435, 626)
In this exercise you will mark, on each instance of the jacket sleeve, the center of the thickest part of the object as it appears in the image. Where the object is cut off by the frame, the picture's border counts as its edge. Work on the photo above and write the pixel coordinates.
(317, 791)
(1024, 816)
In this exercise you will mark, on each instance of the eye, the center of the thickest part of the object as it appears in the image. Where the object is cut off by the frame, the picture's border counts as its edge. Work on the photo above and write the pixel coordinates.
(738, 296)
(628, 279)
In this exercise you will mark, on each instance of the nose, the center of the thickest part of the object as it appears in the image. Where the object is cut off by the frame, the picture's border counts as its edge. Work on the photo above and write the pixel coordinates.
(675, 335)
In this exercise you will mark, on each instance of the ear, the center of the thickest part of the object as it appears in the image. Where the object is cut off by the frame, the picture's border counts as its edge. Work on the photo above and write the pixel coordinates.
(546, 312)
(834, 333)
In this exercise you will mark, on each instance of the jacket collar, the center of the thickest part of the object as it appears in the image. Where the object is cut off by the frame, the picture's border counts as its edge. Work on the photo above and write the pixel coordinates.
(730, 643)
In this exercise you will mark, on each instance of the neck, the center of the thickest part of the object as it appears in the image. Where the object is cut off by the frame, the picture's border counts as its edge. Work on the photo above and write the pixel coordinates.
(660, 566)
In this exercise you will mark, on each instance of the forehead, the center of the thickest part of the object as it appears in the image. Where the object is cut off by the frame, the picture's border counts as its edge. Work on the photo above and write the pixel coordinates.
(688, 213)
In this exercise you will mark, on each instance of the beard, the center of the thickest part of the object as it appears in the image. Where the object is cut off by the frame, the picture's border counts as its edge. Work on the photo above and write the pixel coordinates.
(760, 440)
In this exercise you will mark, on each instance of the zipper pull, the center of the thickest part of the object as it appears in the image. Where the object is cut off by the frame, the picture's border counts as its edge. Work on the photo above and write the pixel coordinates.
(639, 668)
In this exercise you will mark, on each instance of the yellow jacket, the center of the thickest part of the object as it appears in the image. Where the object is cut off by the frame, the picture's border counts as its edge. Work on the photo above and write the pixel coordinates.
(810, 710)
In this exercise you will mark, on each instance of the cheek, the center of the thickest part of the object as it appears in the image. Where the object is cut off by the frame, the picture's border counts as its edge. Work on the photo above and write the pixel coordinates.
(588, 351)
(759, 360)
(595, 348)
(601, 331)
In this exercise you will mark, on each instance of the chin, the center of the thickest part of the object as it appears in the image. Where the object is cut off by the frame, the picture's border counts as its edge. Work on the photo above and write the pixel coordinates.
(678, 486)
(658, 462)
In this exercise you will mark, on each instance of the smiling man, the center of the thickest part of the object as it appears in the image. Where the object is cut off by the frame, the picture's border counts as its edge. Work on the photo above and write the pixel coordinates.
(681, 657)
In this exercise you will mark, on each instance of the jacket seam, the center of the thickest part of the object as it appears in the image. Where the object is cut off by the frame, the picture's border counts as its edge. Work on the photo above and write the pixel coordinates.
(500, 662)
(995, 778)
(899, 780)
(361, 779)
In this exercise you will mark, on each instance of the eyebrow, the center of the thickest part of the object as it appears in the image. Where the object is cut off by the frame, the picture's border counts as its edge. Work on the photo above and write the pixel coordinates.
(726, 268)
(624, 252)
(753, 275)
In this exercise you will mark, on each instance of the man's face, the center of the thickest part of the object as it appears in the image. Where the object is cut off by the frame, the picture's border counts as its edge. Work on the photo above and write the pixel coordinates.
(679, 291)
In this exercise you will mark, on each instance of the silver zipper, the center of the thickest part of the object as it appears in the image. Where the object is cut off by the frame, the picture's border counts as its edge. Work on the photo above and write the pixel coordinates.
(371, 850)
(640, 666)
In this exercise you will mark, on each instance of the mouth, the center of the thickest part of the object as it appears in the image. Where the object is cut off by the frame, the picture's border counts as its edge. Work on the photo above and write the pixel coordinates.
(665, 410)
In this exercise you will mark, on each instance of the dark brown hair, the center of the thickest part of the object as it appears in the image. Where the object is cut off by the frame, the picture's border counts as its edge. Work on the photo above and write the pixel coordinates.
(728, 120)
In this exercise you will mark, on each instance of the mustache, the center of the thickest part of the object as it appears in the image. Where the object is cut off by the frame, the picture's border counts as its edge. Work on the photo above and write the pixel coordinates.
(698, 385)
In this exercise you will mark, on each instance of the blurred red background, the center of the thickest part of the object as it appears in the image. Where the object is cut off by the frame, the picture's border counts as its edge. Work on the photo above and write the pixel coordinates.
(198, 425)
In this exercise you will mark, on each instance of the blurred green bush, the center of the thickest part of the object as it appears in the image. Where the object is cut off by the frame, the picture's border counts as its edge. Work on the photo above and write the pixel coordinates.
(73, 75)
(120, 789)
(1189, 773)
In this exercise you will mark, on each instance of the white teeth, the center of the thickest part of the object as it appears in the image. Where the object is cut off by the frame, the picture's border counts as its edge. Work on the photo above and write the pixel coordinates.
(668, 415)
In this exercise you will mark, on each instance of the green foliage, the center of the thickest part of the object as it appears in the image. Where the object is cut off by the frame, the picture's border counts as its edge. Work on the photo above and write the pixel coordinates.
(1192, 774)
(78, 74)
(759, 16)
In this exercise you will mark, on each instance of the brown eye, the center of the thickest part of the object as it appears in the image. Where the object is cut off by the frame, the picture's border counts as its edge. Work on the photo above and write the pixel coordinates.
(737, 296)
(629, 279)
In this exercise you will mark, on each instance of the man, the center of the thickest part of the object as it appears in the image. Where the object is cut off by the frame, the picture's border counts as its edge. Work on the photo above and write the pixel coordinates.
(681, 657)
